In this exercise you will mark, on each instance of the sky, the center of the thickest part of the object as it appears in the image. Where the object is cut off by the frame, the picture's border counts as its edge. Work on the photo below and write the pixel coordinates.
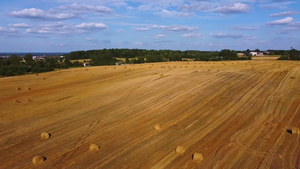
(207, 25)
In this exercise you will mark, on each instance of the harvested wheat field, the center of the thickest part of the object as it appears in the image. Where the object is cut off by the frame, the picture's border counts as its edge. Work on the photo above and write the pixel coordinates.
(233, 114)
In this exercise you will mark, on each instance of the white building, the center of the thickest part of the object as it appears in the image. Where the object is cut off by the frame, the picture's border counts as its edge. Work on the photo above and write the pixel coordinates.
(257, 53)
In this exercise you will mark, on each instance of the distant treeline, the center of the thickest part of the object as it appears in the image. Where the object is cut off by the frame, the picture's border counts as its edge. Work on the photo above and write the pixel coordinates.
(143, 55)
(17, 65)
(293, 54)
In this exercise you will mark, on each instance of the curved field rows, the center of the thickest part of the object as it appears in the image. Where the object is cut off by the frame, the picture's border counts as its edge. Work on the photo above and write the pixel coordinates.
(237, 114)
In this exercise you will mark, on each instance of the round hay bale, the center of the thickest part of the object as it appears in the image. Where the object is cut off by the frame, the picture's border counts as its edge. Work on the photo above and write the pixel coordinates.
(295, 130)
(37, 74)
(44, 78)
(18, 88)
(161, 75)
(197, 157)
(29, 100)
(17, 101)
(37, 160)
(157, 127)
(94, 147)
(45, 135)
(180, 150)
(29, 88)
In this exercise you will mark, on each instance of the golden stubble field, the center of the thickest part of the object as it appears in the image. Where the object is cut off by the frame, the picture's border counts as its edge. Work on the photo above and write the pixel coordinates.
(233, 114)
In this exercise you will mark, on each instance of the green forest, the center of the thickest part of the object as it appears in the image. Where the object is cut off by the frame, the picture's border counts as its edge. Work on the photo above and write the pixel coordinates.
(18, 65)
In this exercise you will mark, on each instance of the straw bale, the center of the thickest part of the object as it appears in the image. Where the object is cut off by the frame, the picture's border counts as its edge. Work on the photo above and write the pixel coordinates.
(94, 147)
(180, 150)
(37, 160)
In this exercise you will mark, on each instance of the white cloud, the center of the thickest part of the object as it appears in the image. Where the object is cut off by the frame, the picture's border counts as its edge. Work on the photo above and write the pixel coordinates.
(85, 8)
(287, 13)
(283, 21)
(19, 25)
(92, 25)
(249, 37)
(157, 5)
(295, 26)
(8, 30)
(62, 28)
(117, 3)
(173, 13)
(198, 6)
(142, 29)
(235, 8)
(64, 12)
(55, 28)
(232, 36)
(34, 13)
(159, 36)
(175, 28)
(279, 5)
(244, 28)
(225, 35)
(193, 35)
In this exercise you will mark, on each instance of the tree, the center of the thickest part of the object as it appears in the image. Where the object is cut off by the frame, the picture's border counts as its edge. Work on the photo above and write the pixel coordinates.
(50, 62)
(28, 59)
(15, 60)
(228, 55)
(67, 62)
(141, 59)
(294, 55)
(102, 59)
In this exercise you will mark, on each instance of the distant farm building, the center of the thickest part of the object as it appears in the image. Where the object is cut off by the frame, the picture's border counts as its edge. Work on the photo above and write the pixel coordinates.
(257, 53)
(86, 64)
(240, 54)
(38, 57)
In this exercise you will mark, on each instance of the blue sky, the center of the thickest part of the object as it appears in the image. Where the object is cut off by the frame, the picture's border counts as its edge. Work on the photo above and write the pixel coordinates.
(71, 25)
